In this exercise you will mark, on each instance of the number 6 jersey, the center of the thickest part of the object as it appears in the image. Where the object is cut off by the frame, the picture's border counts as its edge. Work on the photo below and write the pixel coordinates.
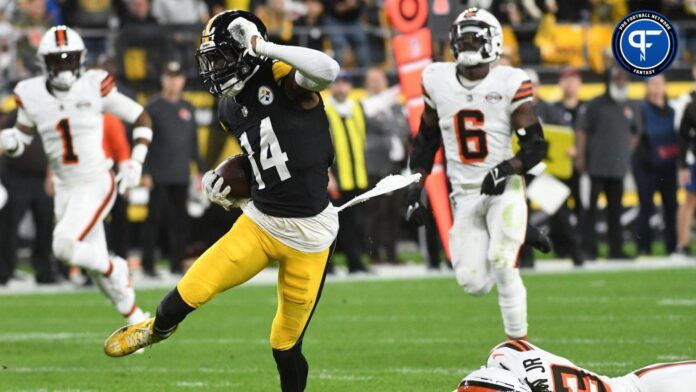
(475, 120)
(70, 123)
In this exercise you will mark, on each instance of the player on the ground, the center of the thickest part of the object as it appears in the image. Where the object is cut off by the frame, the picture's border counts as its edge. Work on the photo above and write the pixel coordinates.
(473, 108)
(65, 107)
(517, 365)
(270, 102)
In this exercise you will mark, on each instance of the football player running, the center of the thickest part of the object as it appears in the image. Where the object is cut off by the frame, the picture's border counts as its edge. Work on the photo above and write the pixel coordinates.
(65, 107)
(473, 108)
(517, 365)
(269, 100)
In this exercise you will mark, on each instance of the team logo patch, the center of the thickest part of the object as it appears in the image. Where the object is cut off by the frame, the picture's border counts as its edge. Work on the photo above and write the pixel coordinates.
(493, 97)
(644, 43)
(184, 114)
(245, 111)
(265, 95)
(83, 104)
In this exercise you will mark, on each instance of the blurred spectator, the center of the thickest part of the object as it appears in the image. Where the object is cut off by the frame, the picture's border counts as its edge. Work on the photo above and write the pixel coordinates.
(343, 20)
(547, 112)
(349, 173)
(608, 11)
(29, 188)
(179, 12)
(275, 16)
(32, 23)
(167, 169)
(655, 165)
(605, 135)
(570, 11)
(138, 13)
(686, 118)
(312, 22)
(8, 56)
(117, 148)
(570, 81)
(91, 15)
(385, 154)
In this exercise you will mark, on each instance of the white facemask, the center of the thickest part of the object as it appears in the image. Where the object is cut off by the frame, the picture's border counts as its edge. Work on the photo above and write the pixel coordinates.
(64, 80)
(618, 94)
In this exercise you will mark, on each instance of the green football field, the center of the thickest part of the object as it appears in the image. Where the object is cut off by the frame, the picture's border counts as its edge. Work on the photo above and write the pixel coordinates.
(409, 335)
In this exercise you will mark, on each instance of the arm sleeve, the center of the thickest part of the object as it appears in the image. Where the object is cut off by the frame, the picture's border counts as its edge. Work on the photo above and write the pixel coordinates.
(316, 70)
(533, 147)
(425, 146)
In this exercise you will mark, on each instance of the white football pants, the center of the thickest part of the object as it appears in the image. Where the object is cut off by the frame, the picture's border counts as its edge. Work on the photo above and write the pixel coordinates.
(485, 240)
(78, 236)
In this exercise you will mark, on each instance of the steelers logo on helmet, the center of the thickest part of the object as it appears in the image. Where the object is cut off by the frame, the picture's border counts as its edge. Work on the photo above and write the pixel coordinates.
(644, 43)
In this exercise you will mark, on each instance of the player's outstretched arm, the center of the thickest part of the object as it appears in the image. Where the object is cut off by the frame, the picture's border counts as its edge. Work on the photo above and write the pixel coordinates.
(14, 140)
(532, 150)
(315, 69)
(421, 160)
(131, 170)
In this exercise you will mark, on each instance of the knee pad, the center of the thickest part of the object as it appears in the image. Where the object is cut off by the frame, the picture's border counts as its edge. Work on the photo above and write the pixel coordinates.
(475, 284)
(64, 249)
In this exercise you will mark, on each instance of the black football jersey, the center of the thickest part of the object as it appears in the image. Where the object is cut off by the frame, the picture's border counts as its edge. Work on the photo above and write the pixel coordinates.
(289, 147)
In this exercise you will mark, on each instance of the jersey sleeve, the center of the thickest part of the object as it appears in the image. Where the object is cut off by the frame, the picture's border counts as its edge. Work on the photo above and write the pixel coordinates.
(280, 70)
(114, 102)
(426, 85)
(23, 117)
(522, 89)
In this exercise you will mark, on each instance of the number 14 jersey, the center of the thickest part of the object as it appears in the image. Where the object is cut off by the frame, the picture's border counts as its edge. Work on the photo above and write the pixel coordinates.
(289, 147)
(475, 120)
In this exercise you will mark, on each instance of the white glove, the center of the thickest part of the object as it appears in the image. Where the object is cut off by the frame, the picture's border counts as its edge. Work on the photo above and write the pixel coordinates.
(212, 188)
(129, 175)
(242, 30)
(11, 143)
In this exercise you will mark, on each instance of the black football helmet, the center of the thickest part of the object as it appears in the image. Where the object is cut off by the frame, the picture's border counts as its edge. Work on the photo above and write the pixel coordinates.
(223, 63)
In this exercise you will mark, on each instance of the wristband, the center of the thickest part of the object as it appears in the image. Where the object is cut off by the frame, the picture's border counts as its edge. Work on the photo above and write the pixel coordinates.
(142, 133)
(139, 153)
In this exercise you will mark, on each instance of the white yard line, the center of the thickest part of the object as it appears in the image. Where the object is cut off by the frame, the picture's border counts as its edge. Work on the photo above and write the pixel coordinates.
(379, 273)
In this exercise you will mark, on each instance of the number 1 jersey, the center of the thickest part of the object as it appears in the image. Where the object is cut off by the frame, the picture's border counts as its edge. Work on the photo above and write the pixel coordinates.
(70, 124)
(289, 147)
(475, 120)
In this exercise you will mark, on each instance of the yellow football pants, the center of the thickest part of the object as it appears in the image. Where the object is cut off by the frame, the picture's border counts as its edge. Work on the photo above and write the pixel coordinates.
(242, 253)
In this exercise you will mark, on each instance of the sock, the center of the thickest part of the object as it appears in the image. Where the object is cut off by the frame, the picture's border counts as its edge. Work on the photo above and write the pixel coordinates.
(512, 298)
(292, 367)
(170, 312)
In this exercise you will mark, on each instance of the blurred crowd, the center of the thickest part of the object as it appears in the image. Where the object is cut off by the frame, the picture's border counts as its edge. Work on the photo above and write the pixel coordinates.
(617, 143)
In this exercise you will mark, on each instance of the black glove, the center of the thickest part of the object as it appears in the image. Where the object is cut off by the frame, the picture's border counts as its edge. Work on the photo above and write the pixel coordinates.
(416, 212)
(494, 183)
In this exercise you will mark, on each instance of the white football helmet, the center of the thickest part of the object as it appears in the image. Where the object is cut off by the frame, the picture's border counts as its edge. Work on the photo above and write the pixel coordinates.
(483, 45)
(491, 380)
(61, 54)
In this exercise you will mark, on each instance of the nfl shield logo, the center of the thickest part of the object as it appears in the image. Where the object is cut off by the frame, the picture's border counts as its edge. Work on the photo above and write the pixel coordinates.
(265, 95)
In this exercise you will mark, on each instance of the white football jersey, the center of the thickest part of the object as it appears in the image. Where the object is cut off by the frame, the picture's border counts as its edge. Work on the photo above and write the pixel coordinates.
(475, 121)
(541, 368)
(70, 124)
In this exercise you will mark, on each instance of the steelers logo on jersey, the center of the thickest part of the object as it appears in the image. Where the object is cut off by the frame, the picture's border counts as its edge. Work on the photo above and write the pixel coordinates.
(265, 95)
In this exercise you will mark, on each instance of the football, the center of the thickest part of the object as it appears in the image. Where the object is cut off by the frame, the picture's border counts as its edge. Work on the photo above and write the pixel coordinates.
(236, 173)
